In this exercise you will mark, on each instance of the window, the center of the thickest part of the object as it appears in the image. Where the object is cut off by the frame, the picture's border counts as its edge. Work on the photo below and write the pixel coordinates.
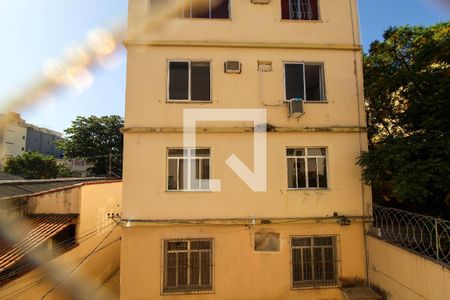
(314, 261)
(189, 81)
(188, 265)
(203, 9)
(299, 10)
(304, 81)
(307, 168)
(188, 169)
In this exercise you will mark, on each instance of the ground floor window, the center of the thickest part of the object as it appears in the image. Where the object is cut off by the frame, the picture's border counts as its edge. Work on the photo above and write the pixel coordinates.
(188, 265)
(314, 261)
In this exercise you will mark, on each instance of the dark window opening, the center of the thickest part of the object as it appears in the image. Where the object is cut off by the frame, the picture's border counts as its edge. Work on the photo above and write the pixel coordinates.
(65, 239)
(189, 81)
(299, 10)
(199, 9)
(304, 81)
(307, 168)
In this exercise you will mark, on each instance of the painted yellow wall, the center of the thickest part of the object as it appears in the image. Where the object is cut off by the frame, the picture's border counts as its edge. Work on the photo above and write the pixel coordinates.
(402, 275)
(96, 200)
(66, 201)
(239, 272)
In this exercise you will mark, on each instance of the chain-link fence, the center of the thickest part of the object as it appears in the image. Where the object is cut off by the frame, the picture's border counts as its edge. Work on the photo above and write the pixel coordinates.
(422, 234)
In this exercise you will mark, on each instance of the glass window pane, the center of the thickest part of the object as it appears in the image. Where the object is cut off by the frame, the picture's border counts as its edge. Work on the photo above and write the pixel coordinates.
(182, 178)
(301, 242)
(290, 152)
(176, 152)
(201, 245)
(195, 172)
(292, 177)
(313, 80)
(182, 268)
(177, 245)
(317, 151)
(322, 168)
(312, 173)
(202, 152)
(294, 81)
(205, 174)
(194, 270)
(178, 80)
(171, 276)
(200, 81)
(172, 174)
(307, 264)
(300, 152)
(301, 173)
(318, 264)
(296, 265)
(205, 268)
(200, 9)
(220, 9)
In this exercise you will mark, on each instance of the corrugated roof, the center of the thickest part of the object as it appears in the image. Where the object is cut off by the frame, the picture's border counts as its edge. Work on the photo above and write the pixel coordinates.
(35, 231)
(21, 188)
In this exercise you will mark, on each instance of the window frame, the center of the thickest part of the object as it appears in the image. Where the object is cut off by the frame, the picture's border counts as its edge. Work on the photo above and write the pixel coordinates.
(188, 158)
(189, 100)
(319, 14)
(336, 263)
(211, 289)
(190, 11)
(322, 80)
(326, 156)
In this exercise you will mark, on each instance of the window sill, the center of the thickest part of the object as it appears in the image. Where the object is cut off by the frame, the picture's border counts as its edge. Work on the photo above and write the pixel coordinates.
(188, 101)
(317, 286)
(205, 19)
(312, 101)
(188, 191)
(300, 21)
(168, 293)
(308, 189)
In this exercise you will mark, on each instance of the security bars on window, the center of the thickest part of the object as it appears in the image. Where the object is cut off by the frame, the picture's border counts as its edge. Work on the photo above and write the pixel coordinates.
(188, 169)
(301, 10)
(307, 168)
(314, 261)
(188, 265)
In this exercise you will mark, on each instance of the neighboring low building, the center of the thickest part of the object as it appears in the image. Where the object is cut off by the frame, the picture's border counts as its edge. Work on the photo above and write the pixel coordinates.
(78, 167)
(66, 222)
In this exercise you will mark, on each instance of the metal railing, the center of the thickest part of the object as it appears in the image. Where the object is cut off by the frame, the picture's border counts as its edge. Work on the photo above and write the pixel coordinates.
(422, 234)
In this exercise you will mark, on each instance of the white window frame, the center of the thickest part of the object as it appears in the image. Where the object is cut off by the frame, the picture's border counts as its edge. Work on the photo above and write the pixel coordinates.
(190, 11)
(305, 158)
(322, 80)
(188, 158)
(189, 100)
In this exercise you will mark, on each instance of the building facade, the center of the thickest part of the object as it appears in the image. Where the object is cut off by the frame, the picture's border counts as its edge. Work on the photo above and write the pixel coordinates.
(300, 236)
(43, 140)
(13, 133)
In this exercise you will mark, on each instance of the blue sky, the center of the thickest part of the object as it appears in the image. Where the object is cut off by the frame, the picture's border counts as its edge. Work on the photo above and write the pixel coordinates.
(34, 31)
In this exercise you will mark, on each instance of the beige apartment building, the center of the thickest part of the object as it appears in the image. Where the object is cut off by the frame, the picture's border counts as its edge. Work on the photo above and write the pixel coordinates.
(302, 236)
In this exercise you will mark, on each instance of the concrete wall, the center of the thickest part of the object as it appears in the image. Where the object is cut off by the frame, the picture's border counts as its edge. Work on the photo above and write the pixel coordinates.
(239, 271)
(13, 141)
(402, 275)
(66, 201)
(96, 200)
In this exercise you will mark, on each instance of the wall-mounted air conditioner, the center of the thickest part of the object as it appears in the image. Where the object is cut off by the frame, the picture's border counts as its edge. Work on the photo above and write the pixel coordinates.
(295, 107)
(233, 67)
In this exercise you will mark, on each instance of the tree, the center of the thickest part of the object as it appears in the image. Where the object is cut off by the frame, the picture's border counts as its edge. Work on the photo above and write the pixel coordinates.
(98, 140)
(32, 165)
(407, 92)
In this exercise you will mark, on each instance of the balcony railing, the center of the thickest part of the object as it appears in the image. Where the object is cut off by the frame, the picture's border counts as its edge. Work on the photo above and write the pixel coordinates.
(425, 235)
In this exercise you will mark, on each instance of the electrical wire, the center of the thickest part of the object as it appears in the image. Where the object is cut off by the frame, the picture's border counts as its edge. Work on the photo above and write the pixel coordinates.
(80, 264)
(40, 277)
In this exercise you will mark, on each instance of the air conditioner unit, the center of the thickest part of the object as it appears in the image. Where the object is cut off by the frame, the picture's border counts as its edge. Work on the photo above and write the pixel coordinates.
(261, 1)
(233, 67)
(295, 107)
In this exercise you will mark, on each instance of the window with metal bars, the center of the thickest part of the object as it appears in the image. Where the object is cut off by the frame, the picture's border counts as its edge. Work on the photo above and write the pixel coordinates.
(188, 169)
(314, 261)
(307, 168)
(299, 9)
(188, 265)
(202, 9)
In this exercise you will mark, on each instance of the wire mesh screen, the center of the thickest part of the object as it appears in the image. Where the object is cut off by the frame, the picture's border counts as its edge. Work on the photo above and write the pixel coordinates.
(423, 234)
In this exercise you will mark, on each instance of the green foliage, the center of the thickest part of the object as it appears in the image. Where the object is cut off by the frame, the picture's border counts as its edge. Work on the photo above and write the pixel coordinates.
(407, 91)
(64, 171)
(96, 138)
(32, 165)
